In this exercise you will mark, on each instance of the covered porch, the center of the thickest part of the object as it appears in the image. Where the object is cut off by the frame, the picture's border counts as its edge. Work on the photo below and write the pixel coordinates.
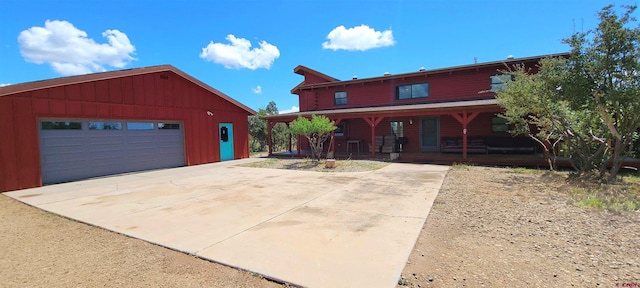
(418, 132)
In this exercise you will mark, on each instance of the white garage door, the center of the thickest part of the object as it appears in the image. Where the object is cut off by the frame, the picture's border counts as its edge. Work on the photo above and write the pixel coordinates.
(79, 149)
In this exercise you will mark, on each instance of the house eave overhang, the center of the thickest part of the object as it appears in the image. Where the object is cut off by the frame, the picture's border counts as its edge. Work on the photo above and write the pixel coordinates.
(408, 110)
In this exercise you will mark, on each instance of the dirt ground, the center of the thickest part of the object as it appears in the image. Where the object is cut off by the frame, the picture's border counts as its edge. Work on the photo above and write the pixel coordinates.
(489, 227)
(493, 227)
(40, 249)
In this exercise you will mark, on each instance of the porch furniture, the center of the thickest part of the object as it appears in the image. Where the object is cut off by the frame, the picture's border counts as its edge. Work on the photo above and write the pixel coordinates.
(377, 144)
(514, 145)
(400, 142)
(384, 144)
(389, 144)
(356, 142)
(454, 145)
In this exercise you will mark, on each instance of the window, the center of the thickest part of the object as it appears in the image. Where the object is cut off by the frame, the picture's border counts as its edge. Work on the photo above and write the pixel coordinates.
(499, 124)
(412, 91)
(105, 126)
(60, 125)
(139, 126)
(340, 129)
(397, 129)
(498, 81)
(169, 126)
(341, 98)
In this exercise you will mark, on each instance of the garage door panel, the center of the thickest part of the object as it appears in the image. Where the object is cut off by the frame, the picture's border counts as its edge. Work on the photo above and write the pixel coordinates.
(55, 141)
(58, 150)
(113, 156)
(141, 139)
(68, 155)
(61, 158)
(111, 138)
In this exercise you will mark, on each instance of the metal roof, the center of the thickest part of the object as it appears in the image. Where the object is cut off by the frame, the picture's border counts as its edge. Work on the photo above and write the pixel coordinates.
(337, 82)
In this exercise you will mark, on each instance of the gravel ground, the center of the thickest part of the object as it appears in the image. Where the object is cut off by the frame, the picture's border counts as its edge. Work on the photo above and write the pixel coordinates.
(492, 227)
(489, 227)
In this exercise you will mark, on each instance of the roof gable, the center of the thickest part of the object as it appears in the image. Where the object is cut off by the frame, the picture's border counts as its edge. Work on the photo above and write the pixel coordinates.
(49, 83)
(306, 71)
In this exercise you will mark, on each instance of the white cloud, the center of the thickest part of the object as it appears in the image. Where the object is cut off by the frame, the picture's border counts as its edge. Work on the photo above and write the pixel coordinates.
(257, 90)
(293, 109)
(4, 84)
(359, 38)
(70, 52)
(239, 54)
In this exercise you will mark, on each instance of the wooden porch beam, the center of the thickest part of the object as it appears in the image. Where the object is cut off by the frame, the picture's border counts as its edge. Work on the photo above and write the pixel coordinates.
(290, 139)
(464, 119)
(373, 122)
(270, 125)
(336, 121)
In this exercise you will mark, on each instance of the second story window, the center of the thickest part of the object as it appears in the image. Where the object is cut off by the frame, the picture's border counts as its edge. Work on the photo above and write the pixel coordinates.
(341, 98)
(498, 81)
(412, 91)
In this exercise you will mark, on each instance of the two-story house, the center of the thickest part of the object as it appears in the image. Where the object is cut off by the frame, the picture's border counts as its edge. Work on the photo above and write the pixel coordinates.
(450, 110)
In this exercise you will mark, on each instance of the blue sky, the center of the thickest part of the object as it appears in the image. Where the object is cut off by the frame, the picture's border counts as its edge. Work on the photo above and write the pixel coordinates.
(248, 49)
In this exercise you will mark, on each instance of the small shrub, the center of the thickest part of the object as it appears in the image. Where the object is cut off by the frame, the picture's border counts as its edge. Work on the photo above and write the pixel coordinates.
(591, 202)
(614, 198)
(461, 166)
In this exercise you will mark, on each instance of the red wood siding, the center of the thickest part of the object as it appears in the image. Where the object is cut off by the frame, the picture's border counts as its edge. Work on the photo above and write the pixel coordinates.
(141, 97)
(310, 78)
(459, 85)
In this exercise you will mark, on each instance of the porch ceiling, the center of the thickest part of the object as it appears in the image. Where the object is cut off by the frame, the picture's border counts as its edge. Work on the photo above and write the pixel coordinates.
(485, 105)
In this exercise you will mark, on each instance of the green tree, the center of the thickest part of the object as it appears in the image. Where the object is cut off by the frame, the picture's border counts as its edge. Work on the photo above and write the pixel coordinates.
(606, 62)
(317, 131)
(589, 100)
(258, 130)
(536, 106)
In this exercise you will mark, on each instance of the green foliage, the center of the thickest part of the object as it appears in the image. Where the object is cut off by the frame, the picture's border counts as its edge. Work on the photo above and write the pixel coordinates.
(258, 133)
(591, 202)
(280, 137)
(316, 130)
(590, 101)
(620, 197)
(461, 166)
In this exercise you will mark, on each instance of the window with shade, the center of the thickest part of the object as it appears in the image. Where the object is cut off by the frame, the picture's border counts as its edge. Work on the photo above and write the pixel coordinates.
(340, 98)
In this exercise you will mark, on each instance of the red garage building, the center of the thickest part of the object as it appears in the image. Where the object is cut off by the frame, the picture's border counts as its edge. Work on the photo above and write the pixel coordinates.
(99, 124)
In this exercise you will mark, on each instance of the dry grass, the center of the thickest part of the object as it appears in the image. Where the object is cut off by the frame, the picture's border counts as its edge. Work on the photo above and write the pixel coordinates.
(318, 166)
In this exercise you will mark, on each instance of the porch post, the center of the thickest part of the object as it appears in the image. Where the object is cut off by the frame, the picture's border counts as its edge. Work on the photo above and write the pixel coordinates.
(269, 140)
(464, 119)
(290, 139)
(373, 121)
(336, 121)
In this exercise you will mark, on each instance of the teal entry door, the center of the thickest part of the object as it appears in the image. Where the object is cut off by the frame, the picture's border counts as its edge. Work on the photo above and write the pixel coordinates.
(226, 141)
(429, 133)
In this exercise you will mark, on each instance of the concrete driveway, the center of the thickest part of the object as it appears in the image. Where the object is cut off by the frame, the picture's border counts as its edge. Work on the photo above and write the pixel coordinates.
(313, 229)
